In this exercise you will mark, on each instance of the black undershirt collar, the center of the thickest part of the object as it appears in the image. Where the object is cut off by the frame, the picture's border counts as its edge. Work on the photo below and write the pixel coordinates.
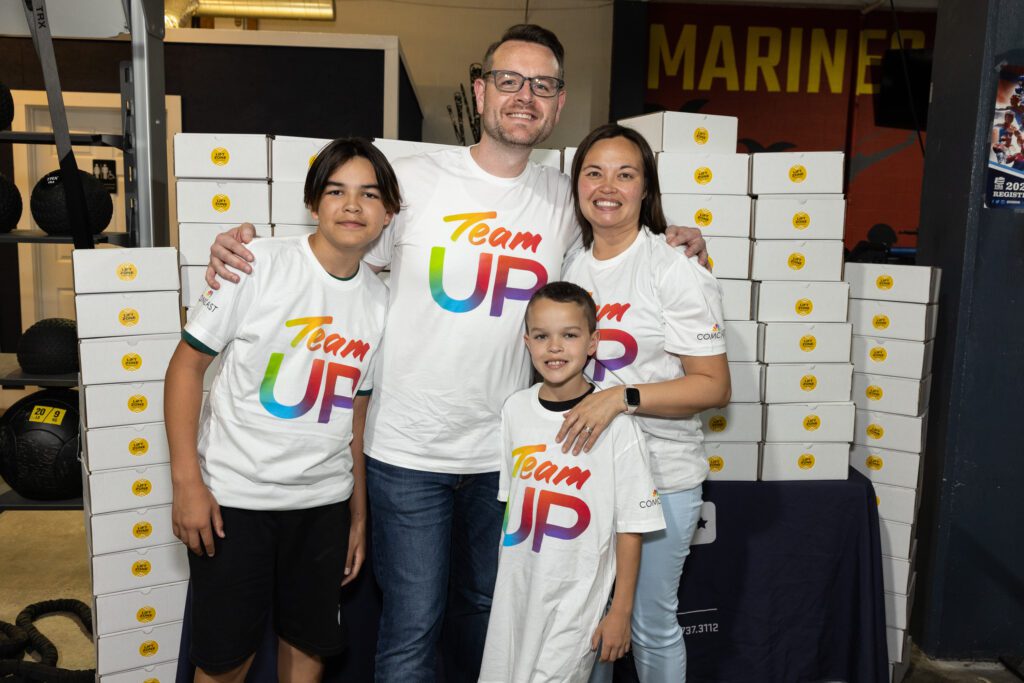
(562, 406)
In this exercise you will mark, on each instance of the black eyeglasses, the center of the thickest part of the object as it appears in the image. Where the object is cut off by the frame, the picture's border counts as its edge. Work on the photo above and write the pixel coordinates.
(510, 81)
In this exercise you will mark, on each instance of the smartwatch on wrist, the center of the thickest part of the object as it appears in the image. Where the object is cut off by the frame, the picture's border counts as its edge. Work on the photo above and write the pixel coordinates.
(632, 399)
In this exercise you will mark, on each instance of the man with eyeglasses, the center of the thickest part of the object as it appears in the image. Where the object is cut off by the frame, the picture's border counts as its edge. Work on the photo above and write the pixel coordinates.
(481, 230)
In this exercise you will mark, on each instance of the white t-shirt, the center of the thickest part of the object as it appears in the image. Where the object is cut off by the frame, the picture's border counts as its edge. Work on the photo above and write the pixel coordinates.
(297, 344)
(652, 303)
(557, 558)
(465, 255)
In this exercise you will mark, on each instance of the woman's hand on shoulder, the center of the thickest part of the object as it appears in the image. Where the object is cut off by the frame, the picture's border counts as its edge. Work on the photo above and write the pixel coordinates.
(585, 423)
(229, 250)
(691, 238)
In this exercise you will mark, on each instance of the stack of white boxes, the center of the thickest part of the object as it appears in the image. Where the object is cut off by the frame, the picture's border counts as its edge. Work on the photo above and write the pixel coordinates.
(704, 183)
(802, 302)
(893, 312)
(222, 182)
(128, 321)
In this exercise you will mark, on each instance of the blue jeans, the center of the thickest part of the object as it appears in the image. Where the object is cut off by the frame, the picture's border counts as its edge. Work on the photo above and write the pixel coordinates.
(435, 556)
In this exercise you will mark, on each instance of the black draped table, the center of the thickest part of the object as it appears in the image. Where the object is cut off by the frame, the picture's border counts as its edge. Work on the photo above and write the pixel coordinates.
(783, 584)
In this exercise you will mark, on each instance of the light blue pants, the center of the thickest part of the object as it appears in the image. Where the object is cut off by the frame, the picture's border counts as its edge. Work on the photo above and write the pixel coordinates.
(658, 648)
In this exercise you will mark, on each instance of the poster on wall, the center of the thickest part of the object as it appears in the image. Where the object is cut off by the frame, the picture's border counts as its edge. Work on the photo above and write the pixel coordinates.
(1004, 187)
(798, 79)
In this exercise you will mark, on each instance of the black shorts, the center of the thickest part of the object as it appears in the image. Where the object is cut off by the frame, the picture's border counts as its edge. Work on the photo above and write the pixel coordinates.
(289, 563)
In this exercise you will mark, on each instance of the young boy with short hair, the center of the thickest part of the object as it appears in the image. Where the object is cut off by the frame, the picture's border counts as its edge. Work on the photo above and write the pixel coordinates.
(572, 524)
(269, 481)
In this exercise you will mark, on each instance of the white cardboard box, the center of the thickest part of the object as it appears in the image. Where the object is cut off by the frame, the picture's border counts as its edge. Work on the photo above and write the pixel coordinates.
(126, 359)
(891, 394)
(898, 606)
(741, 340)
(193, 285)
(804, 461)
(141, 647)
(194, 240)
(293, 230)
(286, 205)
(806, 343)
(125, 270)
(703, 173)
(892, 432)
(138, 445)
(142, 608)
(893, 319)
(130, 529)
(212, 155)
(816, 302)
(730, 461)
(547, 157)
(895, 639)
(892, 357)
(686, 132)
(883, 466)
(729, 257)
(804, 382)
(803, 422)
(737, 299)
(798, 260)
(291, 157)
(735, 422)
(233, 202)
(747, 382)
(882, 281)
(796, 173)
(135, 569)
(568, 155)
(896, 503)
(397, 149)
(896, 538)
(896, 572)
(116, 490)
(154, 673)
(784, 217)
(717, 215)
(127, 314)
(110, 405)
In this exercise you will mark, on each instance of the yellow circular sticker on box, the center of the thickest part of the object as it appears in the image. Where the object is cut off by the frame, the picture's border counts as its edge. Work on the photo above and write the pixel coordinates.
(128, 317)
(878, 354)
(138, 446)
(311, 160)
(142, 530)
(127, 271)
(702, 176)
(703, 218)
(141, 568)
(875, 431)
(874, 392)
(797, 173)
(142, 487)
(801, 220)
(221, 203)
(880, 321)
(701, 136)
(796, 261)
(884, 282)
(151, 680)
(149, 648)
(808, 343)
(220, 156)
(874, 462)
(808, 382)
(716, 463)
(812, 422)
(718, 423)
(131, 362)
(145, 614)
(804, 306)
(138, 403)
(805, 461)
(711, 263)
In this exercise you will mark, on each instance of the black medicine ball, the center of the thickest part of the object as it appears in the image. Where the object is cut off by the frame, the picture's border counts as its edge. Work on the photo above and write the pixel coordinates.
(6, 107)
(39, 446)
(10, 205)
(50, 211)
(50, 347)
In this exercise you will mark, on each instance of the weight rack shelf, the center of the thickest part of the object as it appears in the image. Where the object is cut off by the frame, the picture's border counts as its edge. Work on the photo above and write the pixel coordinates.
(40, 237)
(77, 139)
(11, 375)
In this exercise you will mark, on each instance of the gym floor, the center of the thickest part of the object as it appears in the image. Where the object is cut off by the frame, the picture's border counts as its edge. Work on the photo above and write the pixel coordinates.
(44, 558)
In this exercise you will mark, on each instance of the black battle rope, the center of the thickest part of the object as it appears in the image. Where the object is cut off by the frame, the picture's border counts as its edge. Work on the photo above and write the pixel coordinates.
(24, 636)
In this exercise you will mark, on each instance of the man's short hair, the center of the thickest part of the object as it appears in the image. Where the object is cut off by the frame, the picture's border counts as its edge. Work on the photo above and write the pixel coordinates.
(566, 293)
(339, 152)
(529, 33)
